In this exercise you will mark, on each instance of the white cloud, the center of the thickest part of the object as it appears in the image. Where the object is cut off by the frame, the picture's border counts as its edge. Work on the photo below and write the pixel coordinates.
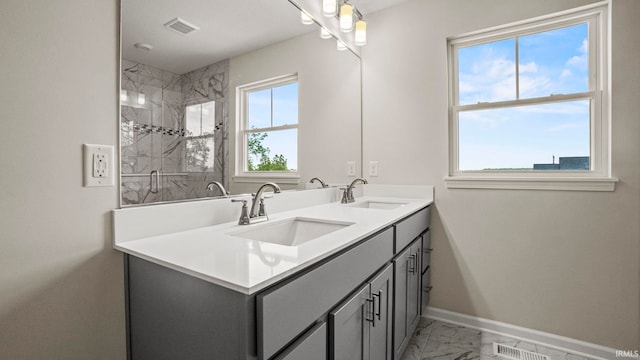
(531, 67)
(580, 61)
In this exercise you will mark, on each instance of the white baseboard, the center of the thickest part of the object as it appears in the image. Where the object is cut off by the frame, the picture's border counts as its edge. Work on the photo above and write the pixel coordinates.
(545, 339)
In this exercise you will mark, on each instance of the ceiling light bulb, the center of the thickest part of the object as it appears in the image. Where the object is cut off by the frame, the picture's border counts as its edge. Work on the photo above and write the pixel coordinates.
(361, 33)
(329, 8)
(346, 18)
(305, 18)
(141, 99)
(324, 33)
(340, 45)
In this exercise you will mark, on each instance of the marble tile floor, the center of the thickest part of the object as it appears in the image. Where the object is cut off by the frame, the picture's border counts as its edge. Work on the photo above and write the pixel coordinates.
(443, 341)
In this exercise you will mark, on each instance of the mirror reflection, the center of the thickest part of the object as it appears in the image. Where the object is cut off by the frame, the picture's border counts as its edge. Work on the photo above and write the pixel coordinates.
(249, 94)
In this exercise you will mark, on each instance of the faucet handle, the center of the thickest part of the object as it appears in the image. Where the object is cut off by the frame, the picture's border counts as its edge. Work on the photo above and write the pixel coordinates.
(345, 195)
(244, 215)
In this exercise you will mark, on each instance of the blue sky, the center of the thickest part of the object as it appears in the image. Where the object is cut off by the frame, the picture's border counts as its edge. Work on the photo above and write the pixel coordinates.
(552, 62)
(285, 112)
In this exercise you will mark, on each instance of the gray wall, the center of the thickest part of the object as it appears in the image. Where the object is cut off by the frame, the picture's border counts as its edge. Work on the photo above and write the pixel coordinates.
(574, 256)
(61, 284)
(561, 262)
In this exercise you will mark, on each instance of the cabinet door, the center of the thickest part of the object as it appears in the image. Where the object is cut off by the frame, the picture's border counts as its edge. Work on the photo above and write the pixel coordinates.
(401, 272)
(380, 344)
(413, 286)
(350, 327)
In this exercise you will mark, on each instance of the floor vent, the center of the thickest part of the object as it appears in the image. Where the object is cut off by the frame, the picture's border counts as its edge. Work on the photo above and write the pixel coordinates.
(180, 26)
(511, 352)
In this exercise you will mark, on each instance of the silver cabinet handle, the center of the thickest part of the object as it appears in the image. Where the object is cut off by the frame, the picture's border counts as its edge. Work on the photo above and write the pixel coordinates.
(379, 296)
(372, 300)
(412, 263)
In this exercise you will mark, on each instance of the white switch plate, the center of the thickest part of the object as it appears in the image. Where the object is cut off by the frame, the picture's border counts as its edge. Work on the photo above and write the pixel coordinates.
(351, 168)
(98, 165)
(373, 168)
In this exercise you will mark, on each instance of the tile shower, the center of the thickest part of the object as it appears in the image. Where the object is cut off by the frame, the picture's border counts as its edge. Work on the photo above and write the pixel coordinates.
(174, 132)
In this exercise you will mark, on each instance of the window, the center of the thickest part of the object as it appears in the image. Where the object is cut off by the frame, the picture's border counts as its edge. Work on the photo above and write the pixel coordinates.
(528, 104)
(268, 129)
(200, 126)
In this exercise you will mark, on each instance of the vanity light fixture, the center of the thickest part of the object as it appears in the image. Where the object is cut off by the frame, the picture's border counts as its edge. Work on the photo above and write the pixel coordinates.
(124, 96)
(329, 8)
(346, 17)
(305, 18)
(141, 99)
(361, 33)
(340, 46)
(324, 33)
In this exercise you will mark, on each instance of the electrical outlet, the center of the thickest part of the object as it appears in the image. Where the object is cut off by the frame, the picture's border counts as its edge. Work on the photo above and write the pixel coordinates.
(100, 169)
(98, 165)
(351, 168)
(373, 168)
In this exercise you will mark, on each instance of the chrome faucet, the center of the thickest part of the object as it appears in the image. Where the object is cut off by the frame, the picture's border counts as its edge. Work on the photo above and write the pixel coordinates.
(347, 195)
(215, 184)
(324, 185)
(258, 212)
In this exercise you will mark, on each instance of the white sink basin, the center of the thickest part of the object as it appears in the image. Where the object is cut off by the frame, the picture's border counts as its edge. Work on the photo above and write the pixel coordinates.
(291, 232)
(386, 205)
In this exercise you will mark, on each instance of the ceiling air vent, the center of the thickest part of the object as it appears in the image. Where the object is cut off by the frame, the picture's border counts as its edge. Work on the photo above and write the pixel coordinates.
(180, 26)
(513, 353)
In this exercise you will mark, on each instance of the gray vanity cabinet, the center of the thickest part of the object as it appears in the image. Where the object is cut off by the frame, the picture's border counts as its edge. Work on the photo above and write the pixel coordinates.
(172, 315)
(407, 295)
(426, 269)
(361, 325)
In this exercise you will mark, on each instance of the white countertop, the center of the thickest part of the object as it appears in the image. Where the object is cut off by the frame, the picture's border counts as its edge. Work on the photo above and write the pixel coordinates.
(247, 266)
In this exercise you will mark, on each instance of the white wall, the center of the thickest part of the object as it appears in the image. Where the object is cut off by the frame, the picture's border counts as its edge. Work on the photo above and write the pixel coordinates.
(61, 284)
(329, 104)
(567, 263)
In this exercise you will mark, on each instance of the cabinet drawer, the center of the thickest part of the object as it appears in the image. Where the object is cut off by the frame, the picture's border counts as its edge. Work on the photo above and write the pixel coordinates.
(426, 250)
(408, 229)
(285, 311)
(311, 346)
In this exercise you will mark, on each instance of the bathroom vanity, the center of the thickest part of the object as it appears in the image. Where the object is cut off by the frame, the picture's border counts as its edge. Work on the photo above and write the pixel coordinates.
(353, 289)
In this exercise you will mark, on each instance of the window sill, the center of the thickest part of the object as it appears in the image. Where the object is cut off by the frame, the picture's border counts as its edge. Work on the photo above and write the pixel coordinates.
(532, 183)
(262, 178)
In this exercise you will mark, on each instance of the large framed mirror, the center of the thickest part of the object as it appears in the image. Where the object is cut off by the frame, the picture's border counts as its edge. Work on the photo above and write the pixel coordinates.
(207, 96)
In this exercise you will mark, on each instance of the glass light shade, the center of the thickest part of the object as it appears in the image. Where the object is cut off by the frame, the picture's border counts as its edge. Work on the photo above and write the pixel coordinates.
(346, 18)
(340, 45)
(124, 96)
(324, 33)
(141, 99)
(305, 19)
(361, 33)
(329, 8)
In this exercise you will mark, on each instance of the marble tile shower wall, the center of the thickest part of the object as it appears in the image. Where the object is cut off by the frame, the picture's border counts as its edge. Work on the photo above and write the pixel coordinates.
(153, 131)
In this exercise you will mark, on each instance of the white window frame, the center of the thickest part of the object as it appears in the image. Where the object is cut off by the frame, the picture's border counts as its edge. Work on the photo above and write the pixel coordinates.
(242, 174)
(598, 178)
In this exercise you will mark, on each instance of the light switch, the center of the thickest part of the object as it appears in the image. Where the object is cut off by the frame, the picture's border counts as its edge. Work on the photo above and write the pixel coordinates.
(373, 168)
(98, 165)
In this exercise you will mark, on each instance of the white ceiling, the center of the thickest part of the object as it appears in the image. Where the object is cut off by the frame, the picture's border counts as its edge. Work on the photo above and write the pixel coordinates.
(228, 28)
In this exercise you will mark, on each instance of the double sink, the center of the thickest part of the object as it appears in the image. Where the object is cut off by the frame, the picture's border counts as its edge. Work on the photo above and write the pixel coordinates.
(298, 230)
